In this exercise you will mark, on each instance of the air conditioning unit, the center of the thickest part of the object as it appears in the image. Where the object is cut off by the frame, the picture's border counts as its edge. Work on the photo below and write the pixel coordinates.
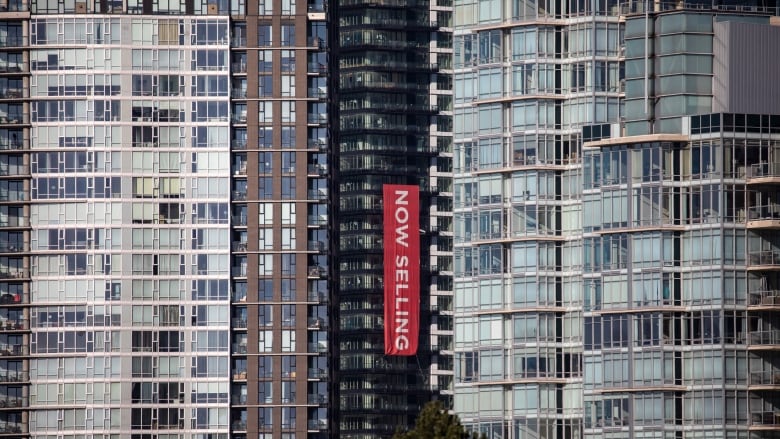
(81, 7)
(212, 9)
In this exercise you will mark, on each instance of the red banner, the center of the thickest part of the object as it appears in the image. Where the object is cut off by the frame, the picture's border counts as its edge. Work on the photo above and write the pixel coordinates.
(402, 268)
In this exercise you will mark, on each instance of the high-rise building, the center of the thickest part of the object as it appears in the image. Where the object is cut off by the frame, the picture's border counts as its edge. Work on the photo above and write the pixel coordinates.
(615, 229)
(393, 91)
(175, 258)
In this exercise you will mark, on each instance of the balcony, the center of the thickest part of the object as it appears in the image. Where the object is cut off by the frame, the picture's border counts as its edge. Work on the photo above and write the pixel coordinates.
(239, 246)
(318, 297)
(13, 196)
(318, 424)
(238, 271)
(14, 247)
(317, 118)
(13, 350)
(766, 379)
(238, 349)
(318, 144)
(764, 260)
(13, 171)
(239, 195)
(317, 323)
(766, 216)
(318, 194)
(7, 401)
(317, 271)
(317, 68)
(239, 220)
(317, 220)
(12, 144)
(763, 173)
(238, 323)
(238, 118)
(14, 6)
(238, 144)
(765, 419)
(239, 168)
(317, 374)
(13, 93)
(15, 221)
(764, 299)
(14, 119)
(238, 425)
(12, 428)
(12, 66)
(317, 169)
(318, 92)
(13, 41)
(769, 338)
(320, 347)
(315, 398)
(15, 274)
(238, 67)
(238, 42)
(317, 246)
(17, 324)
(239, 375)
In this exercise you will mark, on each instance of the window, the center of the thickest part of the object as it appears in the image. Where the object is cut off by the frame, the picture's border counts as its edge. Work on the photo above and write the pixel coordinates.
(288, 35)
(264, 34)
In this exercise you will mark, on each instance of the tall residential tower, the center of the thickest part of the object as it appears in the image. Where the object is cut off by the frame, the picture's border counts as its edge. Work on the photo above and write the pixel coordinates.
(615, 248)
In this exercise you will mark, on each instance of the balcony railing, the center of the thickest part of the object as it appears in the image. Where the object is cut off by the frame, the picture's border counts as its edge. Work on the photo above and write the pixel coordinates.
(317, 169)
(14, 6)
(763, 170)
(239, 196)
(239, 374)
(239, 246)
(12, 93)
(14, 221)
(764, 298)
(316, 246)
(315, 296)
(7, 247)
(12, 427)
(318, 347)
(13, 350)
(238, 271)
(318, 194)
(238, 67)
(239, 220)
(10, 171)
(765, 418)
(317, 323)
(238, 323)
(765, 378)
(318, 424)
(7, 401)
(764, 338)
(14, 118)
(317, 374)
(238, 348)
(15, 274)
(767, 257)
(13, 324)
(315, 398)
(317, 271)
(238, 143)
(12, 41)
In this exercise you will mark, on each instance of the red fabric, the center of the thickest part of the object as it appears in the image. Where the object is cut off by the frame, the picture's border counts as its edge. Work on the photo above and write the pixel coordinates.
(402, 268)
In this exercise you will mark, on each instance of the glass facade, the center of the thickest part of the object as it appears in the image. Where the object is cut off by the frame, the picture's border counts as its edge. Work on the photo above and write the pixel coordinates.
(394, 122)
(608, 285)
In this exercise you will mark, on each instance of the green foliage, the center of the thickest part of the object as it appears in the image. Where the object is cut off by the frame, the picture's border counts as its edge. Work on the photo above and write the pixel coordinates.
(435, 423)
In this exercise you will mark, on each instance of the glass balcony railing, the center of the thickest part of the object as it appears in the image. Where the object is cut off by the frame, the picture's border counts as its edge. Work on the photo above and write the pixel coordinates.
(765, 378)
(767, 337)
(13, 93)
(13, 40)
(764, 298)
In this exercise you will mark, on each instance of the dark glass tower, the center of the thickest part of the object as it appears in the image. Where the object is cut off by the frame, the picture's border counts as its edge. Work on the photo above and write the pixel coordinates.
(389, 85)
